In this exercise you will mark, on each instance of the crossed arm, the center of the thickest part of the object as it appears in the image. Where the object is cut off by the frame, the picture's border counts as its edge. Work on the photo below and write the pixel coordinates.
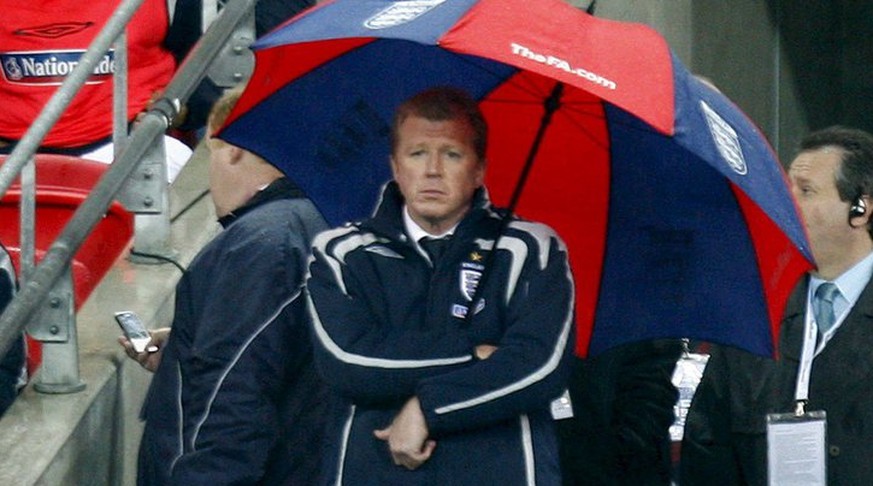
(408, 435)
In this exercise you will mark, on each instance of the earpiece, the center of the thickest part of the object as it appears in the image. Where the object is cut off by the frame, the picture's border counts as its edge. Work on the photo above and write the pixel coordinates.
(859, 208)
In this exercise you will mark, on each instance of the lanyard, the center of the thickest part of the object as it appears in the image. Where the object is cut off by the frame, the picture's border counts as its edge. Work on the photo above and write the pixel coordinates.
(810, 332)
(808, 353)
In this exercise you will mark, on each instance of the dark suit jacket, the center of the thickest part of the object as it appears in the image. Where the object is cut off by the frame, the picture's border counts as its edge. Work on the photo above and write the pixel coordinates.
(841, 383)
(725, 440)
(623, 408)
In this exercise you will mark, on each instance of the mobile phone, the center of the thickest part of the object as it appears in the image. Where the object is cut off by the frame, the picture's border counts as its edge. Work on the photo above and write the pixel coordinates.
(135, 331)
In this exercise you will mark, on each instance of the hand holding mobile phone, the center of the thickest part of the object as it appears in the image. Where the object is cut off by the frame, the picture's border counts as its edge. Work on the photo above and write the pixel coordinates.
(135, 331)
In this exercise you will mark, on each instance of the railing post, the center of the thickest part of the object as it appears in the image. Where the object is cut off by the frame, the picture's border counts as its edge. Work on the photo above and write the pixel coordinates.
(55, 327)
(236, 61)
(146, 194)
(27, 220)
(119, 95)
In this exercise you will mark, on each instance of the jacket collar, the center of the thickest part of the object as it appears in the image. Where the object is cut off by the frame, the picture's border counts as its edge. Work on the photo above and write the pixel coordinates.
(856, 330)
(281, 188)
(388, 217)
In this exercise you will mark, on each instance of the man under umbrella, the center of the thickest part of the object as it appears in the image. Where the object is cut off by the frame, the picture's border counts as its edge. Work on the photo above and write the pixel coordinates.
(235, 398)
(725, 441)
(447, 359)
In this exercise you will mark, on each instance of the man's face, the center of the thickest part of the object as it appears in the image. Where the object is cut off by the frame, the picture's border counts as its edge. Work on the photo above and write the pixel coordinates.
(813, 183)
(436, 166)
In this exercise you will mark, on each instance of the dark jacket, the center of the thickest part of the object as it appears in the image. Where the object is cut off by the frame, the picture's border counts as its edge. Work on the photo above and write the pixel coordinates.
(739, 391)
(235, 399)
(622, 411)
(841, 384)
(725, 429)
(12, 363)
(390, 326)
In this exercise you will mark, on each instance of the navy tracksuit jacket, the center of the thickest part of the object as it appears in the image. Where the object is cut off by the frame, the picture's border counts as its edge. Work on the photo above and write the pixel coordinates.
(389, 326)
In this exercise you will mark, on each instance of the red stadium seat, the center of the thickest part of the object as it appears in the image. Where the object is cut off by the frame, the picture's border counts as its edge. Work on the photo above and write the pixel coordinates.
(62, 184)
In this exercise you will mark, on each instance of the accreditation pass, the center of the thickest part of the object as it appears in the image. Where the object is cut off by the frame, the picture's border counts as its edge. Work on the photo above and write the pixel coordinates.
(796, 449)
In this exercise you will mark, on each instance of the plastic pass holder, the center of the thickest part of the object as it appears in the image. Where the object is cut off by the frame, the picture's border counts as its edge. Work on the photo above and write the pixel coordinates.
(796, 447)
(562, 407)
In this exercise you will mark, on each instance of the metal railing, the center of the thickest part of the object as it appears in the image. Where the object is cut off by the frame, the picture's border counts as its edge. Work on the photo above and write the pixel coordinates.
(47, 288)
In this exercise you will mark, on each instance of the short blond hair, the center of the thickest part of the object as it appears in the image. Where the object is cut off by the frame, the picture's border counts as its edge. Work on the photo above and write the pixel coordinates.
(221, 109)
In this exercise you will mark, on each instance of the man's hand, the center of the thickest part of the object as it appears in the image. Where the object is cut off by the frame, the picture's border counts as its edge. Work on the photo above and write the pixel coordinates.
(407, 436)
(484, 351)
(147, 360)
(178, 120)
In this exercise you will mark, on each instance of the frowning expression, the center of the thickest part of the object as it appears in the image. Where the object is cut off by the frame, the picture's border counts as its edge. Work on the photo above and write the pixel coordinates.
(436, 166)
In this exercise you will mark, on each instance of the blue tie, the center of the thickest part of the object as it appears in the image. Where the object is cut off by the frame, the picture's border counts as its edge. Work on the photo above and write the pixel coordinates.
(824, 315)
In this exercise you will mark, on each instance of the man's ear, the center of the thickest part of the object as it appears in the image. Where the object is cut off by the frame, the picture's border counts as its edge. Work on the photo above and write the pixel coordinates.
(235, 154)
(393, 166)
(860, 210)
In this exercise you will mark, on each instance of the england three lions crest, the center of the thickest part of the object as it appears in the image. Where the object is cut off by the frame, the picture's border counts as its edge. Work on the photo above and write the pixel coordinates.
(469, 281)
(726, 139)
(401, 12)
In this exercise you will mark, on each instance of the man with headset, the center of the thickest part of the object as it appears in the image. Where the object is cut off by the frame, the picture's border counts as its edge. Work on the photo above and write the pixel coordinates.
(832, 181)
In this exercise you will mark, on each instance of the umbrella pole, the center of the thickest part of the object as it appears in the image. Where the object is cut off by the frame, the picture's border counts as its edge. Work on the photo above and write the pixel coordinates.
(551, 105)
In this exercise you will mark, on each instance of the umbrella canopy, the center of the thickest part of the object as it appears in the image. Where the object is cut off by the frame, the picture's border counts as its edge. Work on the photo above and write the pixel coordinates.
(676, 212)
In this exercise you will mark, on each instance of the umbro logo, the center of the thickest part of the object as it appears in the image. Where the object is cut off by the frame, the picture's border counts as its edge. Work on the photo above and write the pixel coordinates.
(53, 31)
